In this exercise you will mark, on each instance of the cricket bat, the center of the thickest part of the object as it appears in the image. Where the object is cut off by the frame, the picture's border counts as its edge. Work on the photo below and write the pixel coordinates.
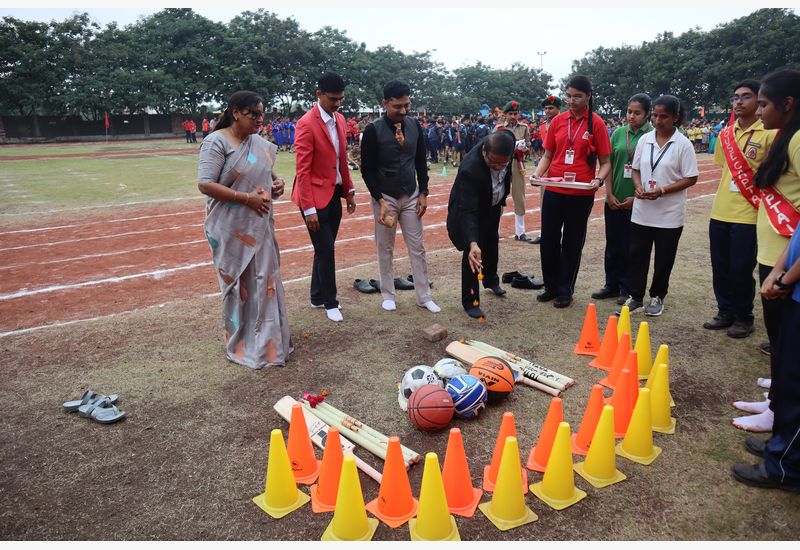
(318, 431)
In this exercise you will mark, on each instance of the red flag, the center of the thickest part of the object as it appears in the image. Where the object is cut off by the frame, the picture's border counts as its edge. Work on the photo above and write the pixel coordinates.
(108, 124)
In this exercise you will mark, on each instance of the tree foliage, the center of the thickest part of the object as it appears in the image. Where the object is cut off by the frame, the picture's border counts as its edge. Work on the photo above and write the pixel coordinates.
(699, 67)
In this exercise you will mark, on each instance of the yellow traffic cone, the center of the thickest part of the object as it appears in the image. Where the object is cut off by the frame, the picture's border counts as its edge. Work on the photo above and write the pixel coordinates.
(557, 488)
(281, 495)
(433, 521)
(643, 351)
(638, 443)
(624, 322)
(600, 466)
(507, 508)
(659, 402)
(661, 357)
(350, 521)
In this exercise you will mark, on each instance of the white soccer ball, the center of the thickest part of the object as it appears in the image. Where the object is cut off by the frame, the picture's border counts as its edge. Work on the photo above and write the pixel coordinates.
(414, 378)
(448, 368)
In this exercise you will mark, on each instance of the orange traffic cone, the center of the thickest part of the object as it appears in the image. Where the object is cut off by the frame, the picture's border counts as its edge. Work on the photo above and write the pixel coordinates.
(507, 429)
(605, 355)
(621, 400)
(540, 453)
(395, 505)
(462, 497)
(633, 381)
(620, 361)
(589, 343)
(594, 408)
(323, 494)
(305, 465)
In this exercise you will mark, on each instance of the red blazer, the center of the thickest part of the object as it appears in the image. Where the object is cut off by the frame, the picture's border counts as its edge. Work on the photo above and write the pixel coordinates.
(315, 163)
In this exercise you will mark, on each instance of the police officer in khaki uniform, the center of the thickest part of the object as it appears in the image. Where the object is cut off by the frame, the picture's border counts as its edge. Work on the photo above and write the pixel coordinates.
(521, 132)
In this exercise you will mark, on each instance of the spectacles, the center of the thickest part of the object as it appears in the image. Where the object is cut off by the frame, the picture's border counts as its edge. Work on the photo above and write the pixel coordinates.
(743, 97)
(255, 115)
(573, 98)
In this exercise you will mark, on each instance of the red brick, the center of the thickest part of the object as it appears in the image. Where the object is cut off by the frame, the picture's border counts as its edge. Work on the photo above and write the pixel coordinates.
(434, 333)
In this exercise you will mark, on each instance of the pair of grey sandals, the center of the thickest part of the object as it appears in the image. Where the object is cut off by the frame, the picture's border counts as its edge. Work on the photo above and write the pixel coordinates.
(98, 407)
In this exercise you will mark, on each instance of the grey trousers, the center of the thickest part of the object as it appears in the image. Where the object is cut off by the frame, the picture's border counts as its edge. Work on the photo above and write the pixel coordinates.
(404, 211)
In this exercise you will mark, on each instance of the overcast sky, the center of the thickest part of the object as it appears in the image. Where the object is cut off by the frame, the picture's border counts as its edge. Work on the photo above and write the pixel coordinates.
(457, 36)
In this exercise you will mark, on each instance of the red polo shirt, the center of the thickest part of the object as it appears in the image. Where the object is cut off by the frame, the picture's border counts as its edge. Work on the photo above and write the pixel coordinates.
(557, 141)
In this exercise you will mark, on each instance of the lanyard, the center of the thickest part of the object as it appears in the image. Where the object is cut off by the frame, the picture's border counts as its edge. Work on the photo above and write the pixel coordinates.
(628, 141)
(749, 137)
(570, 136)
(660, 156)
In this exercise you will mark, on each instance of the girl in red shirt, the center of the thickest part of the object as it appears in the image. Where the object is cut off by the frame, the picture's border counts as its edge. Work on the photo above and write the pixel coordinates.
(575, 141)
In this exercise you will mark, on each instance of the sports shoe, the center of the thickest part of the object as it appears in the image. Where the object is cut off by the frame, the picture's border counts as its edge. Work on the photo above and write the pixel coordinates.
(718, 322)
(523, 237)
(740, 329)
(621, 299)
(633, 306)
(334, 314)
(655, 307)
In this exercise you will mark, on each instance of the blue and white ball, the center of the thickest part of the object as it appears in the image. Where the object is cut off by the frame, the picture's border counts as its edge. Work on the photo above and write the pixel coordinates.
(469, 395)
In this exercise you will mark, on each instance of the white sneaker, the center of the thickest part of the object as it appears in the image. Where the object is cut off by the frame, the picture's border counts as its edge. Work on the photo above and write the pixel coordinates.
(334, 314)
(764, 383)
(431, 306)
(389, 305)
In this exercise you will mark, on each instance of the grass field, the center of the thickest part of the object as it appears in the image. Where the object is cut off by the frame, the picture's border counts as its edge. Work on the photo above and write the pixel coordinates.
(193, 451)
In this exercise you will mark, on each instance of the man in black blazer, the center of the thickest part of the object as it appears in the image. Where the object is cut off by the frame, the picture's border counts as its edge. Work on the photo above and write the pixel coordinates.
(473, 214)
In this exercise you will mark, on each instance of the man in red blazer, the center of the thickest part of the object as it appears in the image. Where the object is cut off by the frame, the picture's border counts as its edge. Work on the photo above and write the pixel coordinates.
(322, 180)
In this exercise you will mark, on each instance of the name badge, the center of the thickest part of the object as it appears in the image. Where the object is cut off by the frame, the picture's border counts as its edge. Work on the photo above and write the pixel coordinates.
(651, 184)
(627, 171)
(569, 157)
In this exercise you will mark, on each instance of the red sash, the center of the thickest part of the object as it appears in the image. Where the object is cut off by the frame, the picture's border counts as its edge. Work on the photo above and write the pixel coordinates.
(782, 214)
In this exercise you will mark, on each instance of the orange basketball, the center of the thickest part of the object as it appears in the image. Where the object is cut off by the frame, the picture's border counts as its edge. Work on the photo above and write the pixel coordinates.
(430, 408)
(496, 375)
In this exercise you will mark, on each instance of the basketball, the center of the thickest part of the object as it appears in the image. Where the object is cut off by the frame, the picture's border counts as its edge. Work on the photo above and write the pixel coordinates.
(496, 375)
(469, 395)
(430, 408)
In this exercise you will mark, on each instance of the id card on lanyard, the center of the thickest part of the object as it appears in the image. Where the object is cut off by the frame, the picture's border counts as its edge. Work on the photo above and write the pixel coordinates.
(652, 183)
(627, 170)
(569, 156)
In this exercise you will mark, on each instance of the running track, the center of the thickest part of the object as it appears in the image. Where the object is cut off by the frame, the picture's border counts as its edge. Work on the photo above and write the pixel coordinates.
(76, 270)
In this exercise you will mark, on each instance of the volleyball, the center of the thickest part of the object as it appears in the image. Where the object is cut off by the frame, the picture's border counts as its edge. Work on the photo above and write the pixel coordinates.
(448, 368)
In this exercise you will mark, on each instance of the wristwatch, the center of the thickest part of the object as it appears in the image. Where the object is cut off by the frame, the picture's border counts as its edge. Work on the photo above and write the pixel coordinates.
(780, 284)
(663, 191)
(601, 180)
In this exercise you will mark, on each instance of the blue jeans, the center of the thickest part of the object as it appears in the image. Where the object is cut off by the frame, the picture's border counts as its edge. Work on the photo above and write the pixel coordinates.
(733, 259)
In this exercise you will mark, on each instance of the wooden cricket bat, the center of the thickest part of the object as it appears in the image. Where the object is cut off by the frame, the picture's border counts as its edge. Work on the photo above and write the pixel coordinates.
(318, 431)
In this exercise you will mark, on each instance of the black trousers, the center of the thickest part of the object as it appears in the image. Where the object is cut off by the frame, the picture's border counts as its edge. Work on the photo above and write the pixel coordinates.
(782, 454)
(733, 259)
(643, 238)
(564, 220)
(488, 239)
(323, 271)
(773, 320)
(618, 230)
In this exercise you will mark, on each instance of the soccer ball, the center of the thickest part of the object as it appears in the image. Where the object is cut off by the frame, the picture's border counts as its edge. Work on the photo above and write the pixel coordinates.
(469, 395)
(414, 378)
(448, 368)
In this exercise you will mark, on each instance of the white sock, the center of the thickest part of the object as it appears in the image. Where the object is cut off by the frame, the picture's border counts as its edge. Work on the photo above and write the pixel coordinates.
(334, 314)
(758, 423)
(519, 225)
(431, 306)
(756, 407)
(764, 383)
(389, 305)
(766, 395)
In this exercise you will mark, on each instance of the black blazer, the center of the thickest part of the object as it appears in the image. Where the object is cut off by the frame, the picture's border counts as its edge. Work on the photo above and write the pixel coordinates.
(471, 198)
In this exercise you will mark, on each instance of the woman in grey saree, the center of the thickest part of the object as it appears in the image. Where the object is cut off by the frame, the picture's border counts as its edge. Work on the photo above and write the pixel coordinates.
(235, 173)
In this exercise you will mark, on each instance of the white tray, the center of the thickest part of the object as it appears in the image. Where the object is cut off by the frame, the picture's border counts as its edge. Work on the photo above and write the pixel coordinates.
(565, 184)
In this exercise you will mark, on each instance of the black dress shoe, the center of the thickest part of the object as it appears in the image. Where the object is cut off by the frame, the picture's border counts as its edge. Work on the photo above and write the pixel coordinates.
(375, 284)
(604, 293)
(719, 322)
(498, 290)
(526, 282)
(509, 276)
(475, 312)
(537, 240)
(403, 284)
(755, 446)
(545, 296)
(363, 285)
(562, 301)
(523, 238)
(755, 475)
(411, 278)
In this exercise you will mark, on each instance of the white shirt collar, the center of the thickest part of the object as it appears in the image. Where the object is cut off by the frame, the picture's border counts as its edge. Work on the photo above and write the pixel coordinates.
(326, 118)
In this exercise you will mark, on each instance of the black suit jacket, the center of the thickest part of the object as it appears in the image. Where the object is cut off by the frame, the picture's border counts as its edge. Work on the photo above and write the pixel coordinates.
(471, 198)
